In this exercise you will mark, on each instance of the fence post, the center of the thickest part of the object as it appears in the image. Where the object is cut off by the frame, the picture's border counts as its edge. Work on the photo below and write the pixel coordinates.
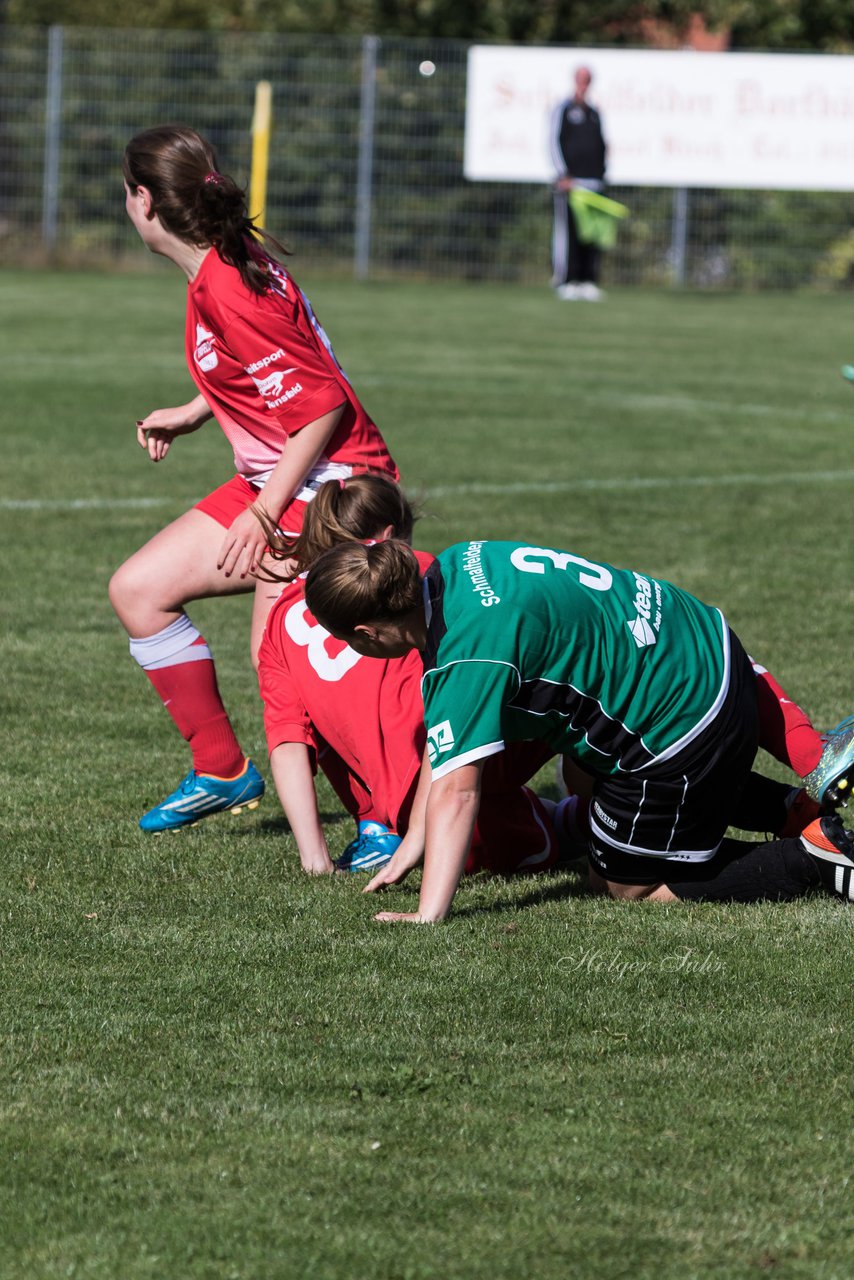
(52, 128)
(679, 237)
(365, 173)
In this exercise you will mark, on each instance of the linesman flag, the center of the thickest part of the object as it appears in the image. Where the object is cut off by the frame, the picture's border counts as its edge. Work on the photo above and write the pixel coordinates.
(596, 217)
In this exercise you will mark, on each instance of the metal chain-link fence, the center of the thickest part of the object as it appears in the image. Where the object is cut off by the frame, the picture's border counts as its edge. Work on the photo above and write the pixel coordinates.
(365, 165)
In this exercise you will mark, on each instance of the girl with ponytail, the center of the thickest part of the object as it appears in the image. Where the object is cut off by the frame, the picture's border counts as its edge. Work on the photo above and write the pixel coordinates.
(265, 370)
(361, 720)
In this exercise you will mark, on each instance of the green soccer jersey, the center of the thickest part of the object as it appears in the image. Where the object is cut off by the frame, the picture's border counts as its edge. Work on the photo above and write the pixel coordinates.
(607, 665)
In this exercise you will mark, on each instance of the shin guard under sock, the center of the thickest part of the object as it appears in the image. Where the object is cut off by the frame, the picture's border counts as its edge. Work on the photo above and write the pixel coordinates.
(178, 663)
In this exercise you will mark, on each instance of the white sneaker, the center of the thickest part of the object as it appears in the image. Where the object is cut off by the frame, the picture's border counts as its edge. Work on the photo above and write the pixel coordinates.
(569, 292)
(590, 292)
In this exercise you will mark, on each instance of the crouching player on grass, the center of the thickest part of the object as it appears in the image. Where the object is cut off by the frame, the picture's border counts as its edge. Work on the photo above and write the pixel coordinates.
(643, 686)
(362, 722)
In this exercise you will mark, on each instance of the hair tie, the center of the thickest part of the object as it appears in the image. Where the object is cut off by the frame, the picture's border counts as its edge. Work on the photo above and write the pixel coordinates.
(342, 484)
(213, 177)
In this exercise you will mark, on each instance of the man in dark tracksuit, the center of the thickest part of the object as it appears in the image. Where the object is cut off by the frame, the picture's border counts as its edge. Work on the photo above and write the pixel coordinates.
(578, 151)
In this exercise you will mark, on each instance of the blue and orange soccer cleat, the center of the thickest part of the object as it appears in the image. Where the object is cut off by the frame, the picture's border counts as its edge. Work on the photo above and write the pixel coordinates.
(832, 850)
(200, 795)
(372, 848)
(832, 780)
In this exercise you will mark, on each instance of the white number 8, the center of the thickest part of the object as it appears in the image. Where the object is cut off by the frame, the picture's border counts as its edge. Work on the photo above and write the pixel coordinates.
(312, 637)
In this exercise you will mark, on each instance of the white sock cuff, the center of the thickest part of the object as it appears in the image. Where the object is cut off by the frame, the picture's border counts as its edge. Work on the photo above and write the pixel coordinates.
(169, 647)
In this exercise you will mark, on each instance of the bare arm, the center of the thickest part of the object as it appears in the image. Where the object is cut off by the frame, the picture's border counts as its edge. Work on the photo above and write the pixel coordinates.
(158, 429)
(291, 766)
(452, 807)
(410, 851)
(244, 545)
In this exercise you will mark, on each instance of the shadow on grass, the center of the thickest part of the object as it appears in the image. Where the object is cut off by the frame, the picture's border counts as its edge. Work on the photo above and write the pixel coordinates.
(280, 825)
(567, 881)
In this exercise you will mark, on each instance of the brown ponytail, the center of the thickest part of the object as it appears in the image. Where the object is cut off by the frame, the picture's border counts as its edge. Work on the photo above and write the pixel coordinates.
(196, 202)
(353, 584)
(351, 510)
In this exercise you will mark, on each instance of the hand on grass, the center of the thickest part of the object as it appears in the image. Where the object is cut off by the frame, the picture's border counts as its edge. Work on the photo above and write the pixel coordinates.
(395, 917)
(407, 855)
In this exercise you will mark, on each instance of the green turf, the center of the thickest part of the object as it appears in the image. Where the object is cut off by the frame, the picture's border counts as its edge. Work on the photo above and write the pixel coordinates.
(213, 1067)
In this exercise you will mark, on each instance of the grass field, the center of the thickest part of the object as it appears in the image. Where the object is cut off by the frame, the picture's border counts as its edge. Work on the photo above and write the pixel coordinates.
(215, 1068)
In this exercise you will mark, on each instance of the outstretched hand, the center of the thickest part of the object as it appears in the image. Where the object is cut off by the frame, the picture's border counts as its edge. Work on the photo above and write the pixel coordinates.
(158, 429)
(407, 855)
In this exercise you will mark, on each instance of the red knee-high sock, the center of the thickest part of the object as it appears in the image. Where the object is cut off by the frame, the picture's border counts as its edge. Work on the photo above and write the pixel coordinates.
(785, 729)
(178, 663)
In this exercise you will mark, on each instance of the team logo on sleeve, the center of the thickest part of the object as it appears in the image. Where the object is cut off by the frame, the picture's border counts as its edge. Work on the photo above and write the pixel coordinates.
(204, 355)
(648, 620)
(271, 385)
(439, 740)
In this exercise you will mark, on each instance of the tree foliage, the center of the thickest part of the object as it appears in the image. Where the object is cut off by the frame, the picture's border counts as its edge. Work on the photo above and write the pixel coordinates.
(759, 24)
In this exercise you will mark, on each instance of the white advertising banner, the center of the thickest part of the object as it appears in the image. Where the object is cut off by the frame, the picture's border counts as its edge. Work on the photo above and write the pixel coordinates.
(671, 119)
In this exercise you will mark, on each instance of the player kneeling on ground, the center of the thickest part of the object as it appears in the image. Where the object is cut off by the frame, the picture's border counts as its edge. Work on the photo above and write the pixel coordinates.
(642, 685)
(362, 722)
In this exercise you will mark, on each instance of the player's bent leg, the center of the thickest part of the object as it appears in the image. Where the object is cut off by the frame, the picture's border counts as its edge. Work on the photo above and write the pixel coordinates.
(515, 829)
(148, 593)
(626, 876)
(768, 871)
(266, 595)
(767, 805)
(177, 565)
(785, 730)
(640, 892)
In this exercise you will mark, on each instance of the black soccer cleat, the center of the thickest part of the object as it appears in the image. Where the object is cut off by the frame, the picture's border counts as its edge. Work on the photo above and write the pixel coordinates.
(832, 850)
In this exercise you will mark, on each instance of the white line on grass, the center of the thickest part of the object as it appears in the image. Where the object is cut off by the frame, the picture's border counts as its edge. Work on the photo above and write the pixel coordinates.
(636, 400)
(630, 484)
(85, 504)
(593, 484)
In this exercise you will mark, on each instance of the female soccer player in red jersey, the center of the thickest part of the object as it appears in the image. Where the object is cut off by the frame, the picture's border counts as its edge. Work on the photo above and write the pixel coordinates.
(264, 368)
(361, 720)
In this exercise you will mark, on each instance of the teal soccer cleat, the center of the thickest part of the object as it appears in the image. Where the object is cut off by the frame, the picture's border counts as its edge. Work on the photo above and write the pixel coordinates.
(201, 795)
(831, 781)
(372, 848)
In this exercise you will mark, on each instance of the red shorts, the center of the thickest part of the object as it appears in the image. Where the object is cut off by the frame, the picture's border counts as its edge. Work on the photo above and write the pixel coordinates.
(227, 502)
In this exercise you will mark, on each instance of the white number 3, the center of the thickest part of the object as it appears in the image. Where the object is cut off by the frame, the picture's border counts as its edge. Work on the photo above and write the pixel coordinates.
(530, 560)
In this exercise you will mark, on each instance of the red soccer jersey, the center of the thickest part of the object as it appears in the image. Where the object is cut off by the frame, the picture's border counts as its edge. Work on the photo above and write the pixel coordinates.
(266, 368)
(369, 710)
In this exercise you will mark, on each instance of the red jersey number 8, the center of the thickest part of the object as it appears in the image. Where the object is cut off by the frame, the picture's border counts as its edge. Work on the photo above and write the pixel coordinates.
(312, 637)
